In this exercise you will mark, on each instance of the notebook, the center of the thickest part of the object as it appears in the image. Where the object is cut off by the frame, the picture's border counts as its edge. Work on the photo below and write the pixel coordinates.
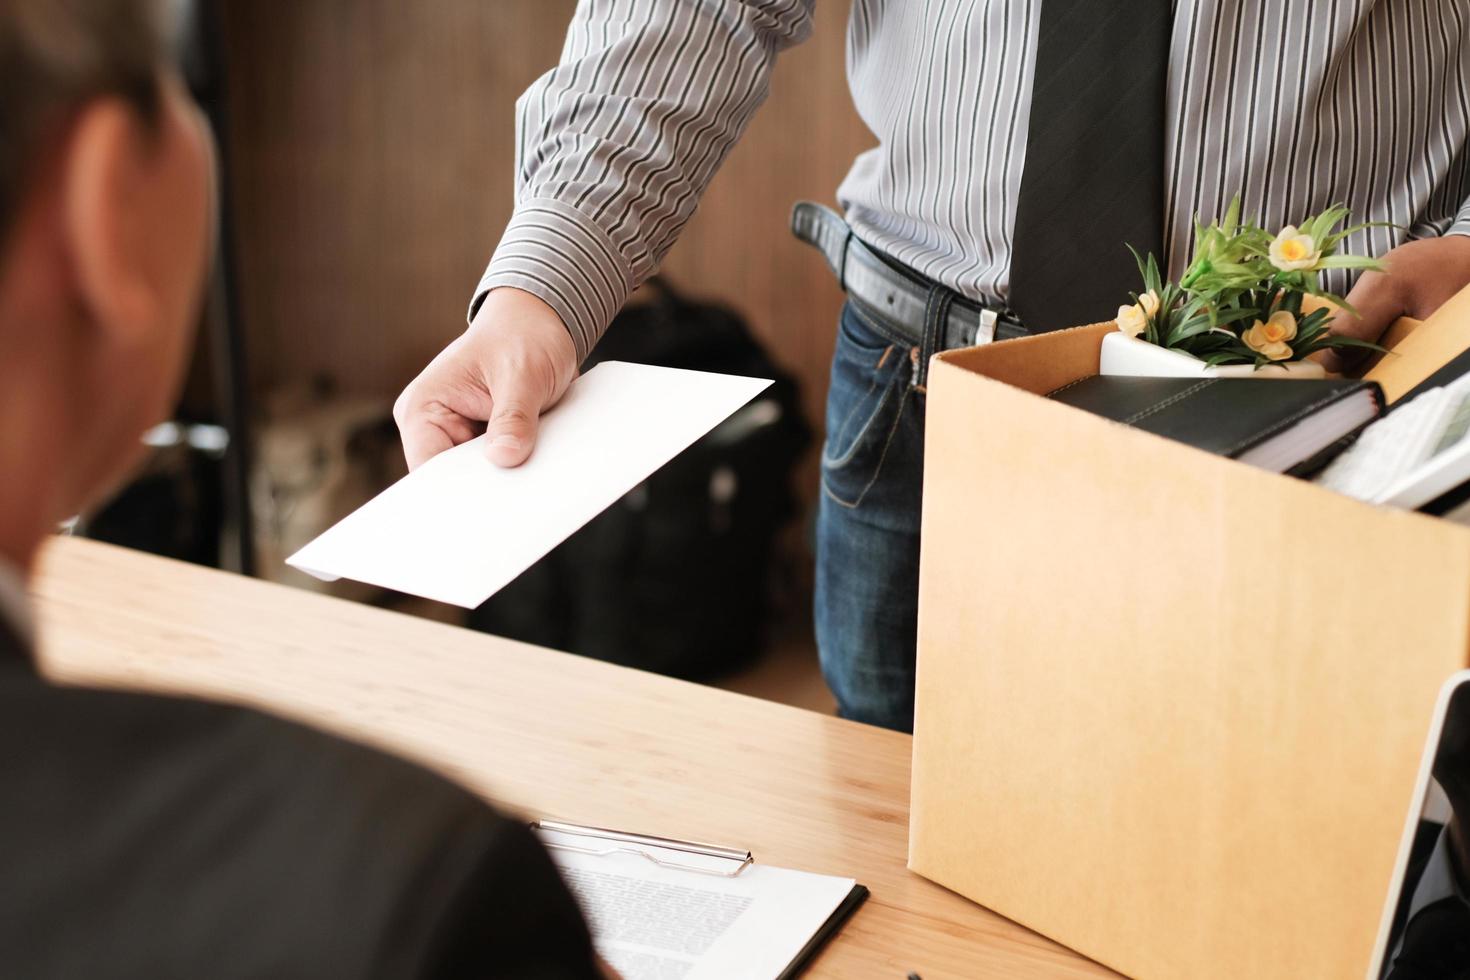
(1417, 453)
(661, 908)
(1285, 426)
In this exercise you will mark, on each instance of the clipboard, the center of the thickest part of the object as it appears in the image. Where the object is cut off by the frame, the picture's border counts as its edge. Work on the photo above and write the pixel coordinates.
(692, 857)
(707, 859)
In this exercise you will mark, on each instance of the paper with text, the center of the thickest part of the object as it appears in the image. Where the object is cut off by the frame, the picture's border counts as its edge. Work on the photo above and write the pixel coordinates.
(459, 528)
(660, 923)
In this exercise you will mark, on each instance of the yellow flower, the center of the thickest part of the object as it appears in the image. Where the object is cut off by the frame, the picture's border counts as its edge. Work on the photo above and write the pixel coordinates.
(1132, 321)
(1291, 250)
(1269, 338)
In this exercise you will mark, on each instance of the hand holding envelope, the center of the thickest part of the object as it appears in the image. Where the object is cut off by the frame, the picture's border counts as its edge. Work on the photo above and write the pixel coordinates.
(459, 528)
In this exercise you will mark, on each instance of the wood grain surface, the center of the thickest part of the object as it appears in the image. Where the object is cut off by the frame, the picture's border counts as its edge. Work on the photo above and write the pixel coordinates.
(547, 734)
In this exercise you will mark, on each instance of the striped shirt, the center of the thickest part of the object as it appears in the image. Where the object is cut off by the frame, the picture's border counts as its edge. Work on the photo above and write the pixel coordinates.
(1294, 106)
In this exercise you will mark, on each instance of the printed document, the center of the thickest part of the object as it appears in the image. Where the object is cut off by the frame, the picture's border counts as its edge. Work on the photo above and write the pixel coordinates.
(656, 922)
(459, 528)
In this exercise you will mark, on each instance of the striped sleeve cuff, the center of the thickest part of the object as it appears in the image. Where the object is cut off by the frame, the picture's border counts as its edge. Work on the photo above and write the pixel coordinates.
(559, 255)
(1461, 224)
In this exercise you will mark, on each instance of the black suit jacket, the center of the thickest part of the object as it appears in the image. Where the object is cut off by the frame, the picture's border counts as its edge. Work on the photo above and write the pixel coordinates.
(1433, 956)
(161, 838)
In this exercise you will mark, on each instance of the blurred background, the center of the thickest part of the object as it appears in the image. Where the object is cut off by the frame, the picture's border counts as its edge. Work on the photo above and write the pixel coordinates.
(367, 172)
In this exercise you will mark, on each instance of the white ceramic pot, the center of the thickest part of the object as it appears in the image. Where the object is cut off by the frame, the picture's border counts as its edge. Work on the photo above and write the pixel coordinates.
(1126, 355)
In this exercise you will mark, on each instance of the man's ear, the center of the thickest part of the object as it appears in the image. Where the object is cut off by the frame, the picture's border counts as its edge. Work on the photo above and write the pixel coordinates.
(101, 195)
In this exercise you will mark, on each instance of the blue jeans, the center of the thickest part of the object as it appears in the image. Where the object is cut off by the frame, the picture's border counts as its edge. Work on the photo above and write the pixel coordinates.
(867, 585)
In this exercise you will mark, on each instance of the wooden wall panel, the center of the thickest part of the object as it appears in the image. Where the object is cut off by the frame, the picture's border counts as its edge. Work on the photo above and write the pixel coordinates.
(372, 150)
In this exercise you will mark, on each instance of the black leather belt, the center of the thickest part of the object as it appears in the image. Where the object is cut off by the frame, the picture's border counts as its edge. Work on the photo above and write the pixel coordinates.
(899, 297)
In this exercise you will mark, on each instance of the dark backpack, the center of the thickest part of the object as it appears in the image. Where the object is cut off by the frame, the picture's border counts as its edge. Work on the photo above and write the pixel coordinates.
(677, 576)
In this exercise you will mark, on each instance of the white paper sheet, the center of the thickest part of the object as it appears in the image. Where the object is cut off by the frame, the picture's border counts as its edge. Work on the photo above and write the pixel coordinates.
(659, 923)
(459, 528)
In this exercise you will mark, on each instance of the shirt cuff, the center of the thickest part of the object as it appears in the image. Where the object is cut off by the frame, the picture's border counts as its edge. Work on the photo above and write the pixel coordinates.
(554, 252)
(1461, 224)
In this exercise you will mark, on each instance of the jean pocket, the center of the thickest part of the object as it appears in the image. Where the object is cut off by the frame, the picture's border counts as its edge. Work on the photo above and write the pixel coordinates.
(865, 403)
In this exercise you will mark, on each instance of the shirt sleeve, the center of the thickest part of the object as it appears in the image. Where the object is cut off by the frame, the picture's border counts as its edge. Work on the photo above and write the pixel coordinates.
(1461, 224)
(616, 144)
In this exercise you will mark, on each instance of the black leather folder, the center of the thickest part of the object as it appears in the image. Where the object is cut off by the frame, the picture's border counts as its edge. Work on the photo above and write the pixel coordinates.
(833, 925)
(1286, 426)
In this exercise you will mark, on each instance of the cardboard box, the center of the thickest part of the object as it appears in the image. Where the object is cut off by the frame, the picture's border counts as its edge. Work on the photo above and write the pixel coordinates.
(1170, 708)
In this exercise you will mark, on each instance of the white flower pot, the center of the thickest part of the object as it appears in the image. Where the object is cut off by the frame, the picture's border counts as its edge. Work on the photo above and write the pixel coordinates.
(1126, 355)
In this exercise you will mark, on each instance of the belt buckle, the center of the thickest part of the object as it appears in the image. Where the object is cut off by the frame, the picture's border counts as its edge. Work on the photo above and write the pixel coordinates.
(985, 331)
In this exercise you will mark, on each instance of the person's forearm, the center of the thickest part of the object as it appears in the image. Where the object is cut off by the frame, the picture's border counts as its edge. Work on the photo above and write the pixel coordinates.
(616, 145)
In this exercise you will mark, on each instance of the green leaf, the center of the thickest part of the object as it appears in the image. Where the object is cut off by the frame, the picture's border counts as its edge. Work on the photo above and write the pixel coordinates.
(1350, 262)
(1232, 216)
(1187, 330)
(1143, 267)
(1337, 340)
(1137, 260)
(1320, 226)
(1235, 315)
(1337, 236)
(1342, 304)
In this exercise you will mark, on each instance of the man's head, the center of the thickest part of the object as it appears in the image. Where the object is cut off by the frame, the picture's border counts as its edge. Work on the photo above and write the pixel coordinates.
(105, 221)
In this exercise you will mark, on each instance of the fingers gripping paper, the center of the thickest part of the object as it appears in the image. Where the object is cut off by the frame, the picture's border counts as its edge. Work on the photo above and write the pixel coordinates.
(459, 528)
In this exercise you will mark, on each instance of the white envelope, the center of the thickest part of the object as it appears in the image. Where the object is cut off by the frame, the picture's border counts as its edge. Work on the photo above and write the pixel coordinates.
(459, 528)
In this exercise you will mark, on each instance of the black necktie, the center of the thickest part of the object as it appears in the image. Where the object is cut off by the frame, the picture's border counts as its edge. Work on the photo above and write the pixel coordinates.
(1094, 175)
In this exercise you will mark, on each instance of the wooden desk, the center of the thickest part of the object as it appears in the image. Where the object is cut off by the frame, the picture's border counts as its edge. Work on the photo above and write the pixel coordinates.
(548, 734)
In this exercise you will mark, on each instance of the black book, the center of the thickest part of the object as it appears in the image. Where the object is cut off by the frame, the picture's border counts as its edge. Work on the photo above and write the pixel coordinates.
(1286, 426)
